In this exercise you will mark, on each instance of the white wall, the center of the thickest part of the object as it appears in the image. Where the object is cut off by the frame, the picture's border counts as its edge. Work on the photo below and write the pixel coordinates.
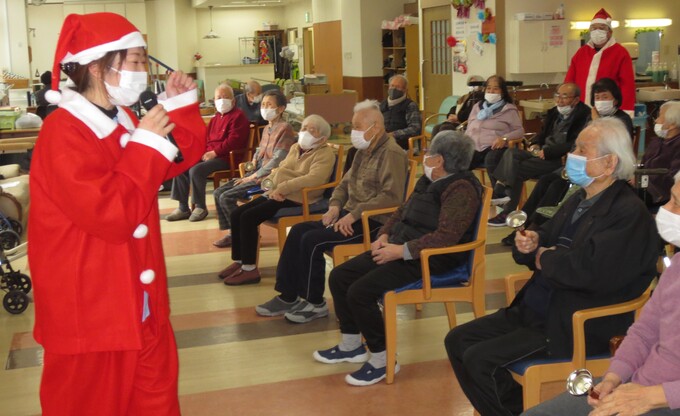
(326, 10)
(14, 37)
(187, 45)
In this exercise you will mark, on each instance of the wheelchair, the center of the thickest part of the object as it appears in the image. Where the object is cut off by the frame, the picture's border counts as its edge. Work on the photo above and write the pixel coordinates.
(16, 284)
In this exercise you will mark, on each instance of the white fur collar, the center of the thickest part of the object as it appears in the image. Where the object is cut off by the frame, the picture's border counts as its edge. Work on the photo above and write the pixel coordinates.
(100, 124)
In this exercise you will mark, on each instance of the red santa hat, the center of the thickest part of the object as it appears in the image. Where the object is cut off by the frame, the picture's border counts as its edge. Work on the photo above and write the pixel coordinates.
(86, 38)
(602, 17)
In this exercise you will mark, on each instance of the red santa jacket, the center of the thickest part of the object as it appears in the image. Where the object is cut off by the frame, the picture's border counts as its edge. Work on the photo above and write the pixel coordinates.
(94, 233)
(612, 61)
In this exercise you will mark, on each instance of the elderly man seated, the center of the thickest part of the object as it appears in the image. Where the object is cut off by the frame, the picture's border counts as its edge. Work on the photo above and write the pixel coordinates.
(441, 212)
(600, 248)
(249, 102)
(376, 180)
(561, 127)
(401, 114)
(644, 375)
(228, 130)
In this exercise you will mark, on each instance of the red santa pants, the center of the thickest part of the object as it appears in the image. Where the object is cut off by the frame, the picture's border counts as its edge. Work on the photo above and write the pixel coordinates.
(115, 383)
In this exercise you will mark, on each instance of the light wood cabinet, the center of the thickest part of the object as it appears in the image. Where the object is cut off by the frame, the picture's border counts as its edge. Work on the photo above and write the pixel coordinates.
(538, 46)
(401, 55)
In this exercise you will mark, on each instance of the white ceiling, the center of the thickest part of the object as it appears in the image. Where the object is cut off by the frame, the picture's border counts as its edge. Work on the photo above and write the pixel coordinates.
(241, 3)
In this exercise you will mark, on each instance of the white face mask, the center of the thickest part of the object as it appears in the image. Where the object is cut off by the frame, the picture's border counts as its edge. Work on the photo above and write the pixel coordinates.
(668, 225)
(224, 105)
(358, 140)
(565, 110)
(130, 86)
(660, 131)
(257, 99)
(427, 170)
(268, 114)
(306, 140)
(605, 108)
(492, 98)
(598, 36)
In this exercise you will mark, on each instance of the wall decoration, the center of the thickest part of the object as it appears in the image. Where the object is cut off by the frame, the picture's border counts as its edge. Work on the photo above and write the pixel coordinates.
(488, 32)
(462, 7)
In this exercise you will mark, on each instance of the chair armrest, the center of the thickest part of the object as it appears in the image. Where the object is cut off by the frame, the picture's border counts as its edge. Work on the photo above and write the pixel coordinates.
(511, 281)
(580, 317)
(305, 195)
(412, 147)
(428, 118)
(364, 222)
(516, 143)
(426, 253)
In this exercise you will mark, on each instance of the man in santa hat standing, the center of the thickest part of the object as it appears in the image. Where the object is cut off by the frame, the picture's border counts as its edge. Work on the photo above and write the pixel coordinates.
(96, 258)
(603, 57)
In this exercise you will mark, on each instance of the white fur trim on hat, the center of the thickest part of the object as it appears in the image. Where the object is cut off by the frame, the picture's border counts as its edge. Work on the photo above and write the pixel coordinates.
(131, 40)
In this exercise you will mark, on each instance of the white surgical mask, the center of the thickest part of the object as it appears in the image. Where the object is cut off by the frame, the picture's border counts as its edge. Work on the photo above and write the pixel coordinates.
(427, 170)
(605, 108)
(358, 140)
(257, 99)
(598, 36)
(668, 225)
(224, 105)
(130, 86)
(660, 131)
(268, 114)
(565, 110)
(306, 140)
(492, 98)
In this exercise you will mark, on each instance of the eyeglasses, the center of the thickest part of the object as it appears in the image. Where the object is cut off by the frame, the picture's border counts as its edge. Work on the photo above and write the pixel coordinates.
(563, 97)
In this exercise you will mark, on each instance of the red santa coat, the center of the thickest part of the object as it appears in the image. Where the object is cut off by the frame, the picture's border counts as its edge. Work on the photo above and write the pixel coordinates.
(612, 61)
(94, 232)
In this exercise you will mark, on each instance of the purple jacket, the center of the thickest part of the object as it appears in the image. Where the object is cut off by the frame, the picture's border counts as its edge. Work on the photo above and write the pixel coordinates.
(505, 123)
(662, 153)
(650, 353)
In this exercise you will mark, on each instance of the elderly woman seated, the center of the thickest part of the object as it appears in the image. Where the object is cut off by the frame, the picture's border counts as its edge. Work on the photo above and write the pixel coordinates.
(309, 163)
(492, 122)
(600, 248)
(644, 375)
(441, 212)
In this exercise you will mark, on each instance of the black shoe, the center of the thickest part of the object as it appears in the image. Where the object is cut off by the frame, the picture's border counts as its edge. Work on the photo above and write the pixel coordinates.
(509, 240)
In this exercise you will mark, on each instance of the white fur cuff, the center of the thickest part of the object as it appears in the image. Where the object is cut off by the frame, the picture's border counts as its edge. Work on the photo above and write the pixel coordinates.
(156, 142)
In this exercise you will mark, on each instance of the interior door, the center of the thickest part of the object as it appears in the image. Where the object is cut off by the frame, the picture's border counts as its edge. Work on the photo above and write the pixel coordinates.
(437, 60)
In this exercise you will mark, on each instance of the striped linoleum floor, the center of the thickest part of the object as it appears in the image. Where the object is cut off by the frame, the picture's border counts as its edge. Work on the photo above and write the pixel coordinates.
(233, 362)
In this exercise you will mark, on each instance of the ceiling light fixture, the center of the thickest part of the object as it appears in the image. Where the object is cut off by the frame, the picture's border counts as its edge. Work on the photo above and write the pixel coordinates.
(585, 25)
(647, 22)
(211, 34)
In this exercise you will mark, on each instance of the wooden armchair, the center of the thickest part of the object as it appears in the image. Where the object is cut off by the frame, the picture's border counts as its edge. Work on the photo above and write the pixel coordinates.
(531, 373)
(472, 291)
(416, 148)
(342, 252)
(246, 154)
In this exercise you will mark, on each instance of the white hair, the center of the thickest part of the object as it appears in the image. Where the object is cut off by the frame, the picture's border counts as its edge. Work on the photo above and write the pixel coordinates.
(320, 123)
(225, 87)
(614, 138)
(677, 177)
(399, 76)
(672, 115)
(366, 105)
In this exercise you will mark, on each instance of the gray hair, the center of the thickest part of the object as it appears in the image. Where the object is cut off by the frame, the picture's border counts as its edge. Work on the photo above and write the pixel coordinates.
(455, 147)
(672, 115)
(677, 177)
(399, 76)
(614, 138)
(320, 123)
(249, 86)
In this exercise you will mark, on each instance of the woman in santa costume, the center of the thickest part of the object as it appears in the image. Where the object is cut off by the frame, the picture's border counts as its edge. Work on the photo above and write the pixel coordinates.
(603, 57)
(95, 252)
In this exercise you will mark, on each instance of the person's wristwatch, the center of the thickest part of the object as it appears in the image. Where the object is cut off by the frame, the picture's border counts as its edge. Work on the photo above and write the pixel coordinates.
(505, 139)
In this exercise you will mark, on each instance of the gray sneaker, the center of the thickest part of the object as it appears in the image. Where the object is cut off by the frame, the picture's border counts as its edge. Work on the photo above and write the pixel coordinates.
(307, 312)
(178, 215)
(276, 307)
(198, 214)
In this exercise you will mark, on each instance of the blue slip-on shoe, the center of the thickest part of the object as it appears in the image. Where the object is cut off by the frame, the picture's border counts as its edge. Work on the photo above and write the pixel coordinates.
(334, 355)
(368, 375)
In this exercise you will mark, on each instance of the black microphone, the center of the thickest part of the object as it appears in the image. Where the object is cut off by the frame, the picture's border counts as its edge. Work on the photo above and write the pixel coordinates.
(149, 101)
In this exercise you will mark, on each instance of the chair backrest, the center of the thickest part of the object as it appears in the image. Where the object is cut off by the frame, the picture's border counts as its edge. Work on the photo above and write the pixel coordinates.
(477, 256)
(446, 105)
(337, 168)
(410, 178)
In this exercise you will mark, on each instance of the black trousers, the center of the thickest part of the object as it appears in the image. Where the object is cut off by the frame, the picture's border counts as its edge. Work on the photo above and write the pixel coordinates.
(479, 349)
(516, 167)
(302, 268)
(488, 159)
(244, 226)
(549, 191)
(358, 284)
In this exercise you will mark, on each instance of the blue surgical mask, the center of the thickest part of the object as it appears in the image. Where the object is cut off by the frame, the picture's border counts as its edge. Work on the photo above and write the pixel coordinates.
(576, 170)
